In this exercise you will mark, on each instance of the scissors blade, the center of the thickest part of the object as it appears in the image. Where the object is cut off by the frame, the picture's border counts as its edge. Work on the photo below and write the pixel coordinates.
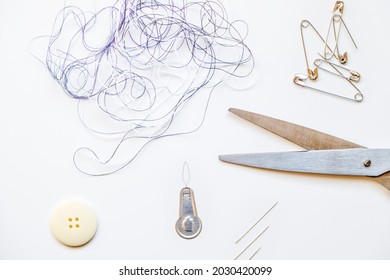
(305, 137)
(353, 162)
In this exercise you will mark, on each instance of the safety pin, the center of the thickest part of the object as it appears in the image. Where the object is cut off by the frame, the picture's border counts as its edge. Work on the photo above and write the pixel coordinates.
(342, 58)
(338, 7)
(299, 79)
(354, 76)
(312, 74)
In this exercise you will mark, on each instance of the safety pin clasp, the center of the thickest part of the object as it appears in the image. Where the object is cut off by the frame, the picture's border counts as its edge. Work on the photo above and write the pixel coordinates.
(299, 79)
(312, 74)
(343, 58)
(355, 76)
(339, 6)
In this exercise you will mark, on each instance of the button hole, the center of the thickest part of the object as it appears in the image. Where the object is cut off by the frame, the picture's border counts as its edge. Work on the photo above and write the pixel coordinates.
(70, 219)
(77, 225)
(70, 226)
(77, 219)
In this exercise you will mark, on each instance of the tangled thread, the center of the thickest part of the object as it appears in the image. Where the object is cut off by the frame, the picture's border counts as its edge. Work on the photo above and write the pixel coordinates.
(139, 62)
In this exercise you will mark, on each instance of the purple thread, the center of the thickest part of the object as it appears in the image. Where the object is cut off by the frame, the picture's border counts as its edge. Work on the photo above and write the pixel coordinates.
(143, 35)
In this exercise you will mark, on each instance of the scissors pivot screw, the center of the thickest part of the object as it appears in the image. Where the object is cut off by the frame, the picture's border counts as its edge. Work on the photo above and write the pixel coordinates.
(367, 163)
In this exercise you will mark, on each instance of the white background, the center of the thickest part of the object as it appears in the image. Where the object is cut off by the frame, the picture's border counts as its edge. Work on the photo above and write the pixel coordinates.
(317, 217)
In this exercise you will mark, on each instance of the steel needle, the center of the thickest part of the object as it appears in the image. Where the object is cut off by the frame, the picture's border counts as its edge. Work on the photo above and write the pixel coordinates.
(256, 223)
(253, 241)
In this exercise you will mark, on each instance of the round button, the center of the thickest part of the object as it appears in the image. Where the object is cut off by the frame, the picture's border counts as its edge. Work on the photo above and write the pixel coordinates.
(74, 223)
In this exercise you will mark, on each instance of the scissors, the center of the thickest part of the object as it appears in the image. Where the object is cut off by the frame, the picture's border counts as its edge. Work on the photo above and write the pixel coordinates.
(326, 154)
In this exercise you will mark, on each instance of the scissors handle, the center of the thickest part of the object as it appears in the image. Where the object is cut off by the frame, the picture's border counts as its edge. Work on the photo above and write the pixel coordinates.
(384, 180)
(305, 137)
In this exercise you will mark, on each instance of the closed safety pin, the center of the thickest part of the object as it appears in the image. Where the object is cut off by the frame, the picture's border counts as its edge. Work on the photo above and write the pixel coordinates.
(353, 75)
(299, 79)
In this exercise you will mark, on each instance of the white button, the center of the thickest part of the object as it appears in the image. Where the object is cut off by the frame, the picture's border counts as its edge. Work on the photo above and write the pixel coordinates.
(74, 223)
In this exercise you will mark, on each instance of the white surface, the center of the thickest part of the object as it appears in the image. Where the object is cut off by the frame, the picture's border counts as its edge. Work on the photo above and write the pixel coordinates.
(318, 217)
(74, 223)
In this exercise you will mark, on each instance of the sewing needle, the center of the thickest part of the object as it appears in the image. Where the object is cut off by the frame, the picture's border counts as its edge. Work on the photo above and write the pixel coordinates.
(256, 223)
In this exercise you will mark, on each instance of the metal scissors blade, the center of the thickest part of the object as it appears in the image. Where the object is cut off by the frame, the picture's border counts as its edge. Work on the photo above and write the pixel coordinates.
(305, 137)
(352, 162)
